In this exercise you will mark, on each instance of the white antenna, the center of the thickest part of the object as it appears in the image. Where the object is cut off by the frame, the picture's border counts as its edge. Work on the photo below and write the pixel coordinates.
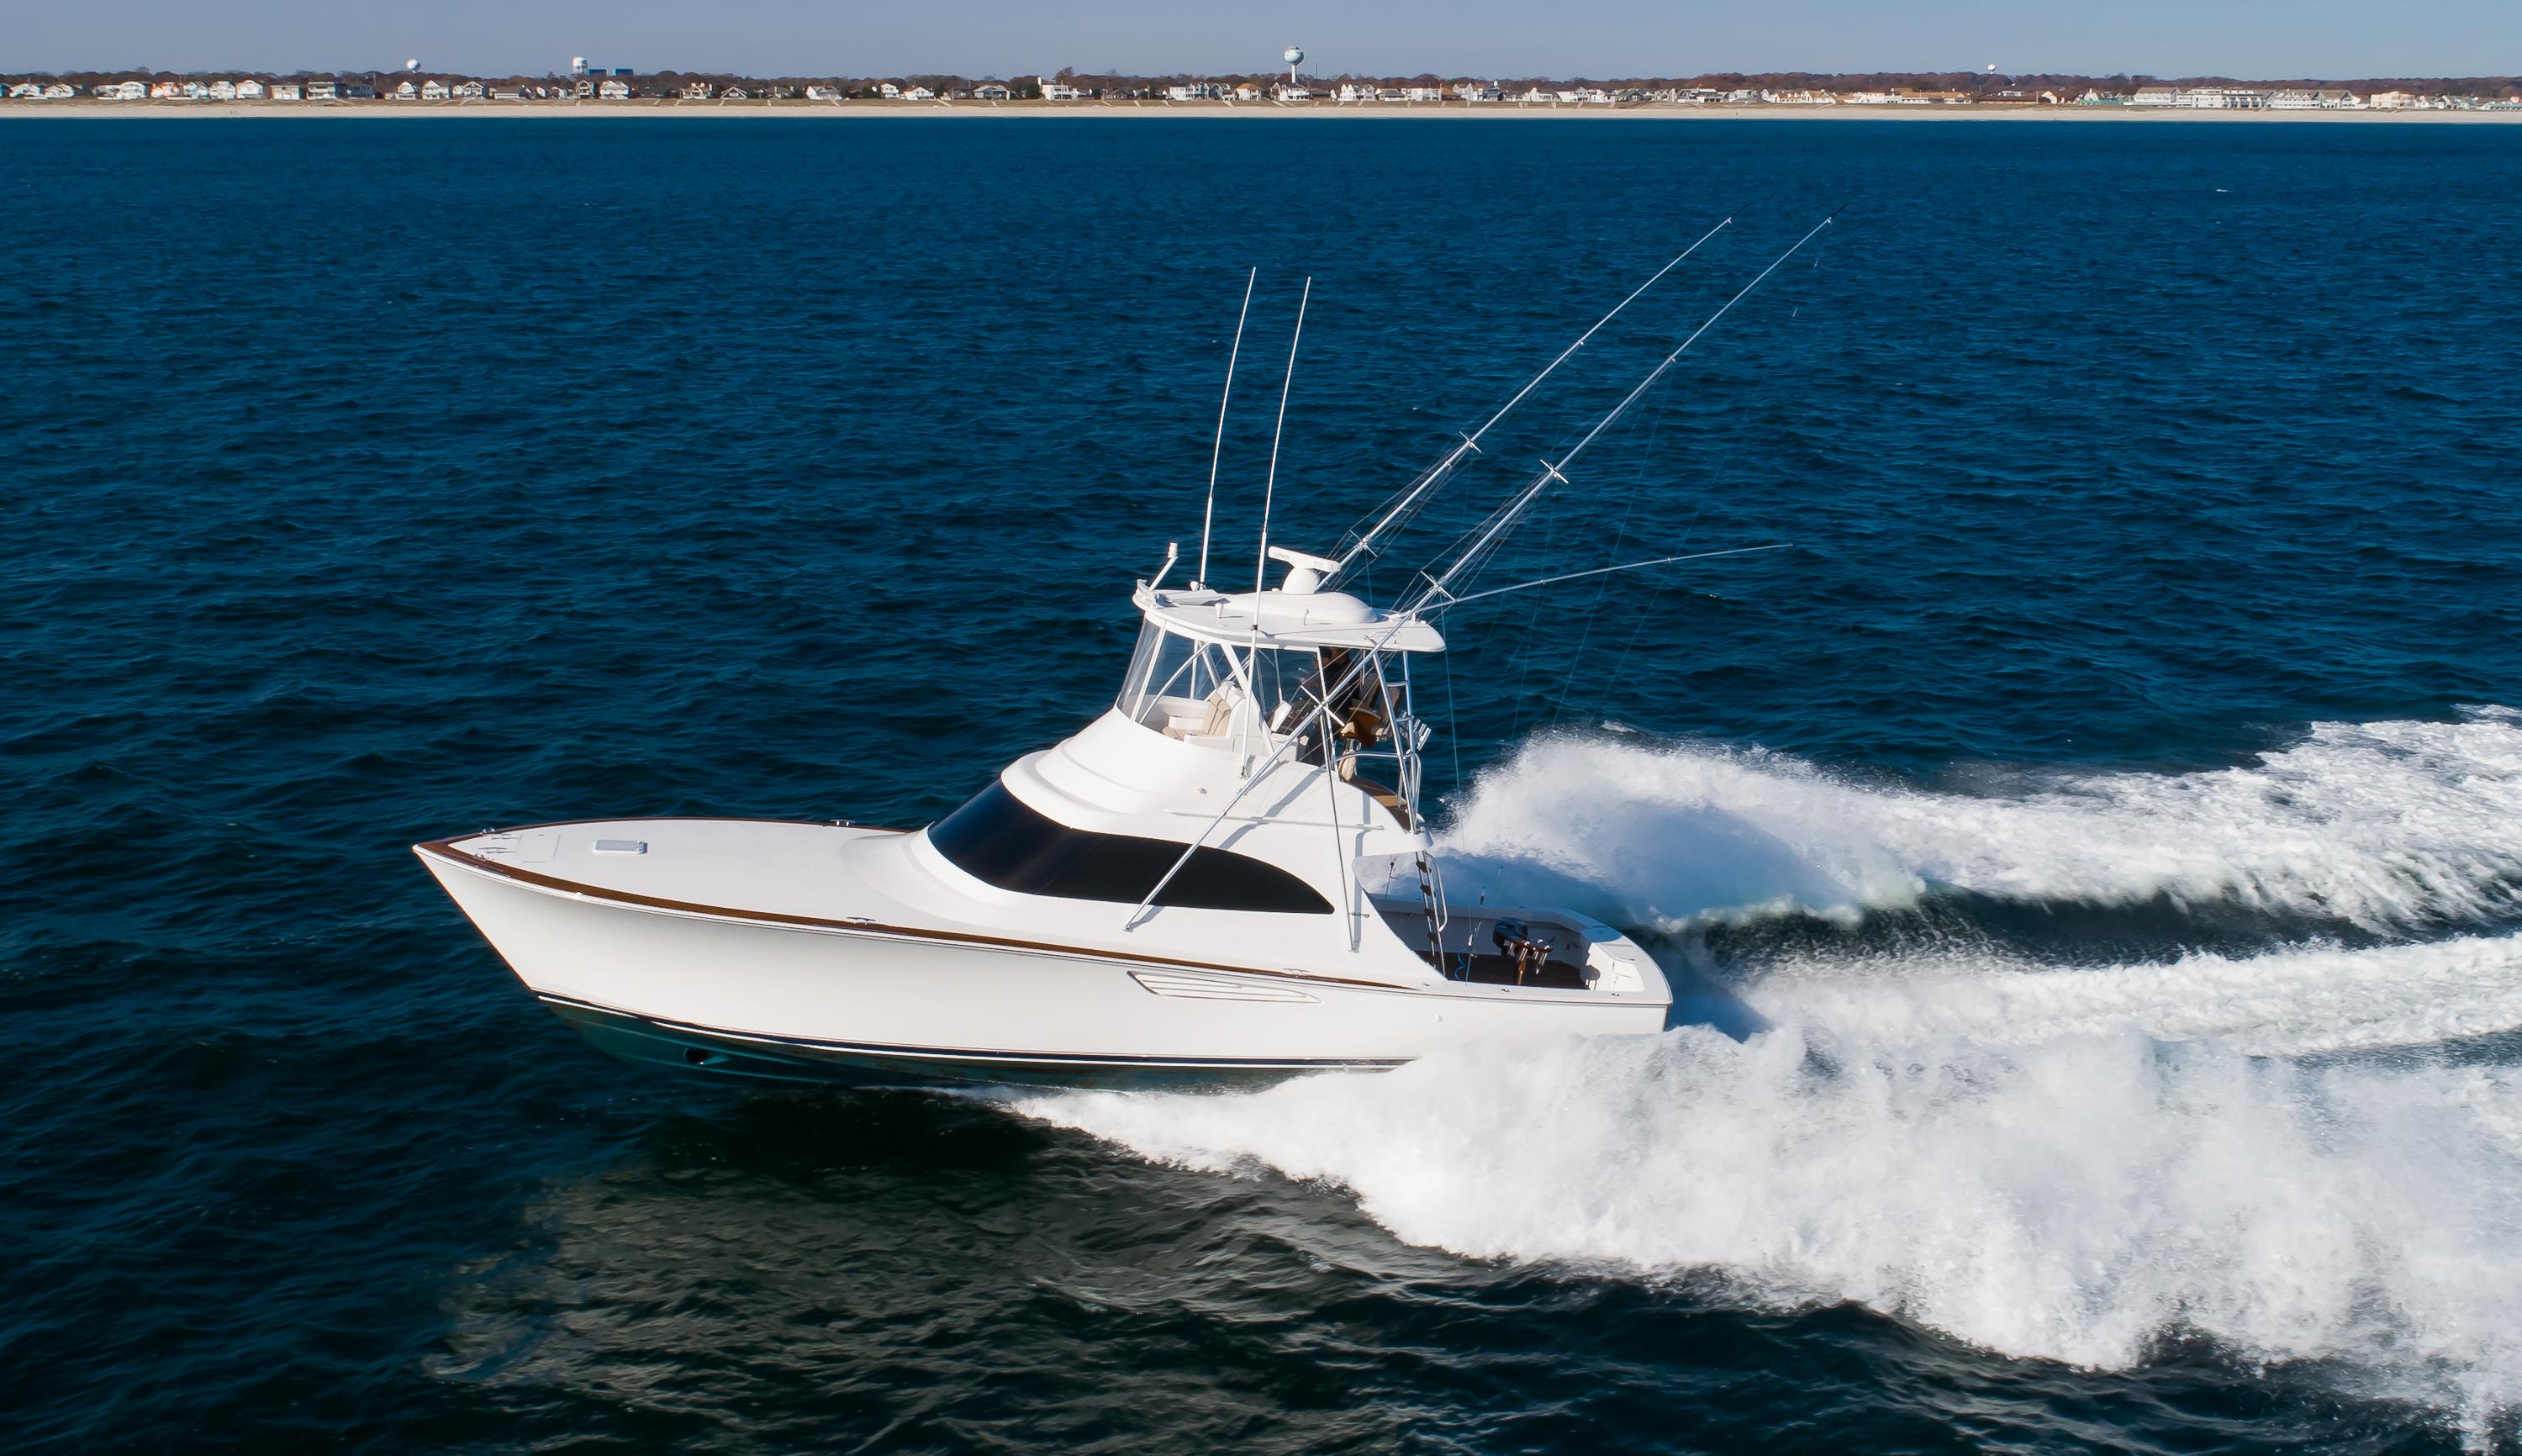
(1270, 491)
(1210, 514)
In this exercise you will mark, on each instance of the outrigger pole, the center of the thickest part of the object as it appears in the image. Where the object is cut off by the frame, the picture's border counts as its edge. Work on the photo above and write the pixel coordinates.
(1270, 491)
(1366, 657)
(1208, 516)
(1416, 494)
(1499, 522)
(1507, 515)
(1455, 601)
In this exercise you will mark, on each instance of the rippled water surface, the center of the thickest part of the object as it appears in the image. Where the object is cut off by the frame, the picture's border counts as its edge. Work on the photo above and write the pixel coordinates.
(2111, 804)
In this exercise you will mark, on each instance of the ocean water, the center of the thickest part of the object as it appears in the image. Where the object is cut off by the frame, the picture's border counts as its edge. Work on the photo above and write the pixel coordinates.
(2109, 807)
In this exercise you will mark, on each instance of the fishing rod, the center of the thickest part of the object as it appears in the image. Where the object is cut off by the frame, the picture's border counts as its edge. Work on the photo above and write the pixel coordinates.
(1210, 516)
(1416, 495)
(1507, 515)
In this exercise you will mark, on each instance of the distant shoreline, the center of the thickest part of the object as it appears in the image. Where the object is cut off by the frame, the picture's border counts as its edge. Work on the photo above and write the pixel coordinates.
(1218, 111)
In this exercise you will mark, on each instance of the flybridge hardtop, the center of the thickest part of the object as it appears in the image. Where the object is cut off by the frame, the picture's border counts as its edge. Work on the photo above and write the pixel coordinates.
(1225, 875)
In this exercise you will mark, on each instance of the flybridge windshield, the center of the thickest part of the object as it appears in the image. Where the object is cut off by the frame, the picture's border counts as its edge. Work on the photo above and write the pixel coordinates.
(1193, 689)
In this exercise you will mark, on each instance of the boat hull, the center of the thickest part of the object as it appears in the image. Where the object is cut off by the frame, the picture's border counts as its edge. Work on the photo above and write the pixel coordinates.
(723, 993)
(750, 1058)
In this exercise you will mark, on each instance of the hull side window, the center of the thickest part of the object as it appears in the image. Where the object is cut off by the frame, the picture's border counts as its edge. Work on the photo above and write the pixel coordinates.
(997, 840)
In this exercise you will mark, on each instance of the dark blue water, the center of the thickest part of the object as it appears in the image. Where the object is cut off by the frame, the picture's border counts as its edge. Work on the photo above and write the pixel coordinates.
(2107, 799)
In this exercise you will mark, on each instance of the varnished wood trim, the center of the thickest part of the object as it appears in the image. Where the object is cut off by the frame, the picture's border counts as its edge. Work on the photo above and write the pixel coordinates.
(446, 849)
(685, 818)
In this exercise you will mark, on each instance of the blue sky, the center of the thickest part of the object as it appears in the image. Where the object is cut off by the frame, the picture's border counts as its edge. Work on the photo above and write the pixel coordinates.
(1477, 38)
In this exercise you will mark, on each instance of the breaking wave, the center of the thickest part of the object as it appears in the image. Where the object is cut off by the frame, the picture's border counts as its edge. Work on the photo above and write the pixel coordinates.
(2385, 826)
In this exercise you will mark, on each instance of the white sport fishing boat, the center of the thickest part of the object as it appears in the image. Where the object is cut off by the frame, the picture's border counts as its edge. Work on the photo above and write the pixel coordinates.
(1226, 877)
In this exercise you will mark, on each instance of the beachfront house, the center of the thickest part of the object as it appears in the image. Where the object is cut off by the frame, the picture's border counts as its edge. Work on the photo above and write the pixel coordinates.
(991, 91)
(288, 91)
(60, 91)
(1290, 94)
(433, 90)
(735, 93)
(1471, 91)
(1058, 90)
(889, 91)
(699, 91)
(1193, 91)
(822, 93)
(252, 90)
(222, 91)
(26, 92)
(920, 93)
(2393, 101)
(119, 91)
(614, 91)
(405, 92)
(1415, 94)
(469, 90)
(1247, 92)
(323, 90)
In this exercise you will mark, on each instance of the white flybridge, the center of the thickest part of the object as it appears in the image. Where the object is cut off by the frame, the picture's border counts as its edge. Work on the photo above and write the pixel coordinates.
(1223, 877)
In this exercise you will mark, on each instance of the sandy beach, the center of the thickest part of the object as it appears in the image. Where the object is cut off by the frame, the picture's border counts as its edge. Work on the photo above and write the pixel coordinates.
(1231, 111)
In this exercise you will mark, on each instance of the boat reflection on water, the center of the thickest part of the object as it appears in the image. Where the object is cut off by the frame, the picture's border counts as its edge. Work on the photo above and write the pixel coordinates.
(927, 1272)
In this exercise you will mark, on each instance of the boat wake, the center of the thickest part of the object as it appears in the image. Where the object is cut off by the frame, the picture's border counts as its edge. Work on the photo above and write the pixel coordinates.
(2304, 1154)
(2383, 827)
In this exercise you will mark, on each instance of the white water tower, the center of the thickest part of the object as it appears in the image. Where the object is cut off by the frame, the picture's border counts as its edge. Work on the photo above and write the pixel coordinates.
(1293, 53)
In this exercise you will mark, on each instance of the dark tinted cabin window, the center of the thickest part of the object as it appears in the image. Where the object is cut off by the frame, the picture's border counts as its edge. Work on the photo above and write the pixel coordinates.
(997, 840)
